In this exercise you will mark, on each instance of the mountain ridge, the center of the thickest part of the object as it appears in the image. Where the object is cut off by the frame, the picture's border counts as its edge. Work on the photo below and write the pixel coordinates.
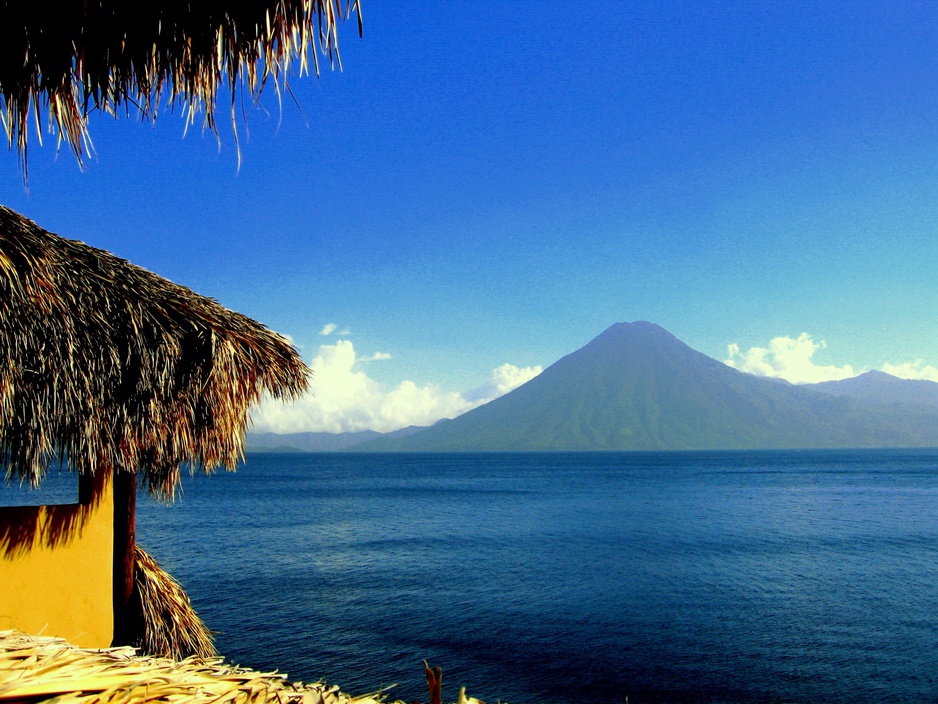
(881, 387)
(638, 387)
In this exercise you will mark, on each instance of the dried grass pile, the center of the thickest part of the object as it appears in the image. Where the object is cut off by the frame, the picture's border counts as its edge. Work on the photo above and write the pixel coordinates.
(77, 56)
(170, 626)
(34, 668)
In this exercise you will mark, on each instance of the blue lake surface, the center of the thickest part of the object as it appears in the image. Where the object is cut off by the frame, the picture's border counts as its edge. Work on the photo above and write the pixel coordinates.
(558, 578)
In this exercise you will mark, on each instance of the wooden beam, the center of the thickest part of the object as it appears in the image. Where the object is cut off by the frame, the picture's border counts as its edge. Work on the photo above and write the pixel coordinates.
(86, 489)
(126, 616)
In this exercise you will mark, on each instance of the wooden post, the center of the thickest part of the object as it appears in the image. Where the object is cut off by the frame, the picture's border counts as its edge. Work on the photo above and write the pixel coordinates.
(125, 508)
(86, 489)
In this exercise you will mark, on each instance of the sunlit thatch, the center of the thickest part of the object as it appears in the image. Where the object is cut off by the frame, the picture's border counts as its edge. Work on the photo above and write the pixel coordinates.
(107, 365)
(169, 625)
(75, 56)
(34, 668)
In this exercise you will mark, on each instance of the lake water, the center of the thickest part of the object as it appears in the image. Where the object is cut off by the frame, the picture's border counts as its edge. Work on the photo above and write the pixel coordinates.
(560, 578)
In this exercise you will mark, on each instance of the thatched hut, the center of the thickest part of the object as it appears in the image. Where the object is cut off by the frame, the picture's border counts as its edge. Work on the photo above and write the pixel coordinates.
(114, 371)
(80, 56)
(104, 366)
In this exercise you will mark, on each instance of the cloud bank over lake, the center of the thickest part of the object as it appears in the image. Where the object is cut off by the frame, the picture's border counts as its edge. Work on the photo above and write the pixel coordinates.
(344, 398)
(791, 358)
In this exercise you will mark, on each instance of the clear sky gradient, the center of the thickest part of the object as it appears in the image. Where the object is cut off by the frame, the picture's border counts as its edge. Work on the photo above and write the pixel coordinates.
(489, 184)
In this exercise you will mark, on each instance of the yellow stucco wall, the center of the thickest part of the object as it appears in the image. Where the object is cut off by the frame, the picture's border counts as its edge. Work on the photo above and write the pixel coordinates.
(56, 567)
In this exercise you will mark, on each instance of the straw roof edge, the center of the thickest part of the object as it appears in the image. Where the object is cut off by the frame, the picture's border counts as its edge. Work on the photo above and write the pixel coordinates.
(106, 366)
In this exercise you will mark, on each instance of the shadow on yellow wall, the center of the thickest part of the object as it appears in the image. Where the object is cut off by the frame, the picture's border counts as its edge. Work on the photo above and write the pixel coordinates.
(56, 567)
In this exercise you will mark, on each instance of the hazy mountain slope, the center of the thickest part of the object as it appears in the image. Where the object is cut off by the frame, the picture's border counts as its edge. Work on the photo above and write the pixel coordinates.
(879, 387)
(317, 442)
(637, 387)
(306, 442)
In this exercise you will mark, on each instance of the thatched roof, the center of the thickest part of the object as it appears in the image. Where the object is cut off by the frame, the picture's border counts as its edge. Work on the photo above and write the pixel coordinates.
(75, 56)
(168, 624)
(107, 365)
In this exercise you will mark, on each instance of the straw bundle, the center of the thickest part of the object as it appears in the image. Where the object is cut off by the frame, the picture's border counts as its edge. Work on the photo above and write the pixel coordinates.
(39, 668)
(170, 626)
(78, 56)
(34, 668)
(107, 366)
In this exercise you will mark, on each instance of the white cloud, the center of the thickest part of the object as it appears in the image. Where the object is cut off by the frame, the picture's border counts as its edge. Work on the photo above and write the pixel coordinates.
(376, 357)
(503, 379)
(508, 377)
(330, 328)
(343, 398)
(912, 370)
(787, 358)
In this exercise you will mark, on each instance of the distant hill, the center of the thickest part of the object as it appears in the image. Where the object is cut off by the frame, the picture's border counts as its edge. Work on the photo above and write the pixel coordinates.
(637, 387)
(306, 442)
(881, 388)
(317, 442)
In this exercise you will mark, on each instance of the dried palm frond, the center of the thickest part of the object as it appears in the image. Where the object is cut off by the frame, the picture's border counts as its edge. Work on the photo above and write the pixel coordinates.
(105, 365)
(34, 668)
(435, 686)
(434, 683)
(170, 626)
(76, 56)
(40, 668)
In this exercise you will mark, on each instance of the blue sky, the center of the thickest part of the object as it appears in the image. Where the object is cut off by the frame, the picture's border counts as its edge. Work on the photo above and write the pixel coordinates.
(490, 184)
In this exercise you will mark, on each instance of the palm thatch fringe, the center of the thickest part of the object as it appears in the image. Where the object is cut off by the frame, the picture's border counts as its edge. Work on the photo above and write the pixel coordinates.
(79, 56)
(170, 626)
(36, 668)
(107, 366)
